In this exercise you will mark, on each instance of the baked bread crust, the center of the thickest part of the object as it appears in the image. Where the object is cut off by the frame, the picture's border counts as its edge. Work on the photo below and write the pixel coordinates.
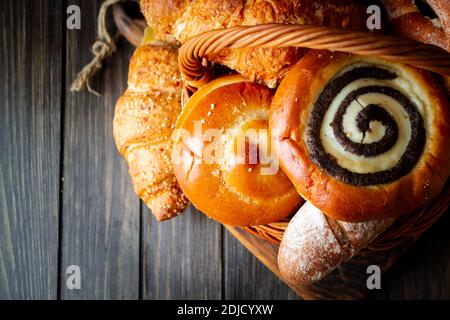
(406, 20)
(314, 245)
(161, 15)
(229, 191)
(261, 65)
(355, 202)
(143, 122)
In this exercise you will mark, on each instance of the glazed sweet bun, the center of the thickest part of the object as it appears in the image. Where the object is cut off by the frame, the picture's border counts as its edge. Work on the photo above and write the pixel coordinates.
(361, 138)
(222, 157)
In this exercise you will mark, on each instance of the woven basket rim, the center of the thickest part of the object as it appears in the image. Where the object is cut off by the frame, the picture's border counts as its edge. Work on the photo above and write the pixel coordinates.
(197, 71)
(406, 228)
(192, 57)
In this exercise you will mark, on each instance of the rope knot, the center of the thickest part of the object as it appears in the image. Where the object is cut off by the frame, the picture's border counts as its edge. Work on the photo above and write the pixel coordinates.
(103, 47)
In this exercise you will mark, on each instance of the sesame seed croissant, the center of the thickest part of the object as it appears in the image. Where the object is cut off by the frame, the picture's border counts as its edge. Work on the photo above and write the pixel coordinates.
(143, 123)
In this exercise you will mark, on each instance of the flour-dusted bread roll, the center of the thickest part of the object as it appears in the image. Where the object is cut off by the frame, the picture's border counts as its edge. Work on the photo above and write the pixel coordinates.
(361, 138)
(143, 123)
(184, 19)
(222, 156)
(313, 244)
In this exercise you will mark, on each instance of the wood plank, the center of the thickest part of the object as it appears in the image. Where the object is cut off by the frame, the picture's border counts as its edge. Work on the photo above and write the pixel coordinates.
(30, 111)
(424, 272)
(244, 278)
(182, 257)
(348, 281)
(248, 278)
(100, 219)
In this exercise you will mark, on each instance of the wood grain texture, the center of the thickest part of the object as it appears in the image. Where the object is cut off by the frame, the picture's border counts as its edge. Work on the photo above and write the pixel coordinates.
(348, 281)
(424, 271)
(100, 216)
(248, 278)
(182, 257)
(122, 251)
(30, 110)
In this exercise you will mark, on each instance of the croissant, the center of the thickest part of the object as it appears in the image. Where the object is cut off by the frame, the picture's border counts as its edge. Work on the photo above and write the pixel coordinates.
(184, 19)
(143, 123)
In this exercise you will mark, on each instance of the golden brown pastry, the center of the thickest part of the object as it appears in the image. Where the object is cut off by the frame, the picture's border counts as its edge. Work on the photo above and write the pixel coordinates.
(161, 15)
(190, 18)
(313, 244)
(143, 123)
(222, 156)
(361, 138)
(446, 84)
(429, 22)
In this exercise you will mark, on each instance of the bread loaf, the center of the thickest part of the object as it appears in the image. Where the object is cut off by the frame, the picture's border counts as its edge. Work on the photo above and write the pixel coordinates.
(428, 23)
(185, 19)
(313, 244)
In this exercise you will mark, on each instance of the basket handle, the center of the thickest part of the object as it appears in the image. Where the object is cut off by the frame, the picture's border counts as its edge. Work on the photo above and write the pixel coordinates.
(392, 48)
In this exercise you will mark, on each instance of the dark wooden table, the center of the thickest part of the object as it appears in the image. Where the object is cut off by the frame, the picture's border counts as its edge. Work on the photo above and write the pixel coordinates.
(66, 197)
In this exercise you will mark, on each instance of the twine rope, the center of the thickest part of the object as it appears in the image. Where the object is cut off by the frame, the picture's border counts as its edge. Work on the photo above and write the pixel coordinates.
(103, 47)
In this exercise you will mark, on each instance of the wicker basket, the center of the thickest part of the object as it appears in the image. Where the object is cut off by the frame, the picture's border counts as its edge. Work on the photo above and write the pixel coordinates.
(197, 71)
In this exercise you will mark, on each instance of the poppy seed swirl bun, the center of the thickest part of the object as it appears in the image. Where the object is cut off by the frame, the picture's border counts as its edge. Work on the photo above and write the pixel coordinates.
(361, 138)
(227, 185)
